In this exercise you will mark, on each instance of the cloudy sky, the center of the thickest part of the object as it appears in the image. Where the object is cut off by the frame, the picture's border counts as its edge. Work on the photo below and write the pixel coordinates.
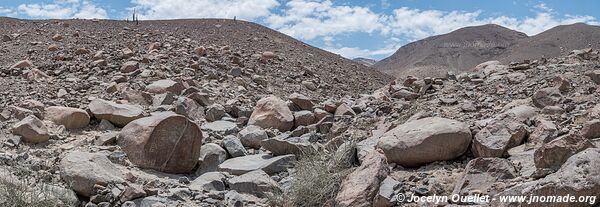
(352, 28)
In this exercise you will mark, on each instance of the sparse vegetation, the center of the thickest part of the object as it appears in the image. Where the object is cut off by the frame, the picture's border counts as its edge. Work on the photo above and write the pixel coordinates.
(16, 193)
(317, 179)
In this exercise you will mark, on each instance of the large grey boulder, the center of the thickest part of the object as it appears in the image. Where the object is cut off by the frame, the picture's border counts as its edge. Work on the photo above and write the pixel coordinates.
(83, 170)
(425, 140)
(118, 114)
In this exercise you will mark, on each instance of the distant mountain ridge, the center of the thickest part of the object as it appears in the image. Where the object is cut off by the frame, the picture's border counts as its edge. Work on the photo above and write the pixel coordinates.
(365, 61)
(465, 48)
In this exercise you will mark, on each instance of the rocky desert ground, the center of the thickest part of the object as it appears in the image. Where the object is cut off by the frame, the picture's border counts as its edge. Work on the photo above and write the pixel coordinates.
(229, 113)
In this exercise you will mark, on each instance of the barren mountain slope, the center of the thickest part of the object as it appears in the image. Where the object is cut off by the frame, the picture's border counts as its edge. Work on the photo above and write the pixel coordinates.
(554, 42)
(463, 48)
(230, 45)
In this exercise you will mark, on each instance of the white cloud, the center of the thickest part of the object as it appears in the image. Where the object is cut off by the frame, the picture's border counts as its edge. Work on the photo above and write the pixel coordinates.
(5, 10)
(541, 22)
(51, 11)
(311, 19)
(178, 9)
(416, 24)
(90, 11)
(355, 52)
(62, 9)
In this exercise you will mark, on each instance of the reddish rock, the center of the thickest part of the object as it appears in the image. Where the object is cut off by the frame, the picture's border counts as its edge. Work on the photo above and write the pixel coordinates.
(71, 118)
(22, 64)
(361, 186)
(272, 112)
(553, 154)
(164, 86)
(301, 101)
(31, 129)
(166, 142)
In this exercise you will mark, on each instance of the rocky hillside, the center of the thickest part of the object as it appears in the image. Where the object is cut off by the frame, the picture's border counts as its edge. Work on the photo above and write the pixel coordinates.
(88, 57)
(554, 42)
(128, 127)
(463, 49)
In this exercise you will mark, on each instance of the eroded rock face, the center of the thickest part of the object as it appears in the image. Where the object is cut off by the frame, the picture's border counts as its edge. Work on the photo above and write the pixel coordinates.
(425, 140)
(481, 174)
(118, 114)
(546, 97)
(500, 134)
(361, 186)
(553, 154)
(272, 112)
(84, 170)
(166, 142)
(71, 118)
(591, 129)
(578, 176)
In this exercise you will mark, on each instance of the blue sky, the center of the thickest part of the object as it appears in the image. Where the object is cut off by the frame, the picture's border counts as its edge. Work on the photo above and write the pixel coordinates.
(373, 29)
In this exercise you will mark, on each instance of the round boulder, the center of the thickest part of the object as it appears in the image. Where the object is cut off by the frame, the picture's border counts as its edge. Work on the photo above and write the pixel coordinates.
(71, 118)
(165, 142)
(425, 140)
(272, 112)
